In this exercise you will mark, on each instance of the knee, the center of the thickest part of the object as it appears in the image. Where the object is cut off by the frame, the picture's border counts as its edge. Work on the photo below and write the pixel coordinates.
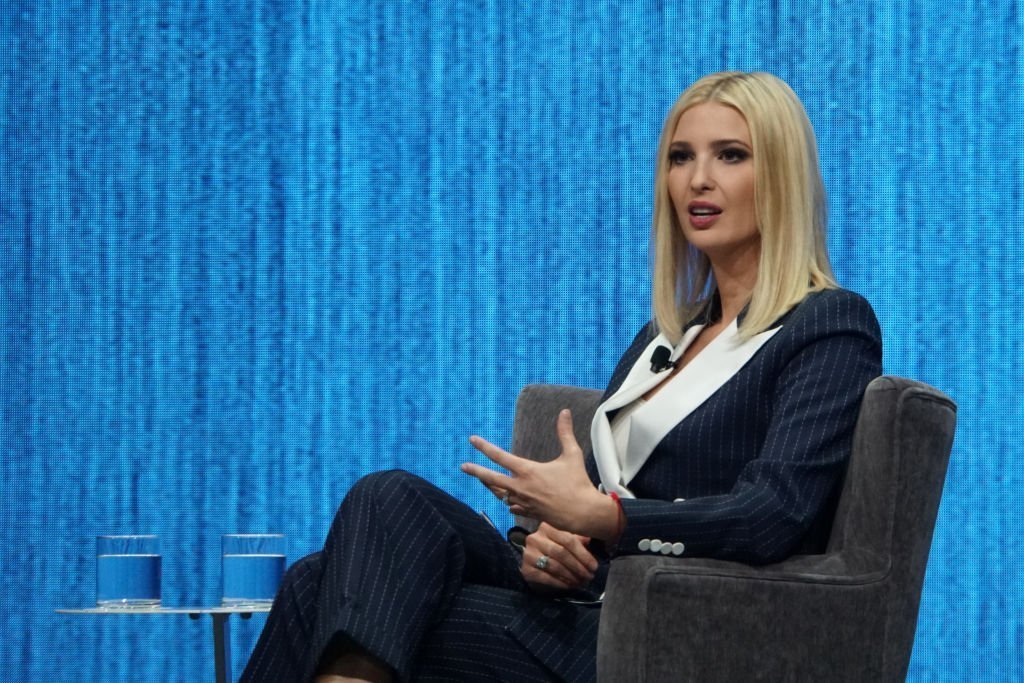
(383, 484)
(373, 491)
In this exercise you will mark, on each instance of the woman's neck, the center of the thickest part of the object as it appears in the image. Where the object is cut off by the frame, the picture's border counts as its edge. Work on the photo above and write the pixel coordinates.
(735, 283)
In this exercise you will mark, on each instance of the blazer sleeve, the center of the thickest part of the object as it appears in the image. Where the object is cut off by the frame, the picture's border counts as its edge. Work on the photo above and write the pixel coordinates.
(803, 456)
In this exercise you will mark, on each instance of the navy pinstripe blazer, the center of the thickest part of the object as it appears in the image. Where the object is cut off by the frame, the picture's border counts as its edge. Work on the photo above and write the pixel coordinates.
(759, 462)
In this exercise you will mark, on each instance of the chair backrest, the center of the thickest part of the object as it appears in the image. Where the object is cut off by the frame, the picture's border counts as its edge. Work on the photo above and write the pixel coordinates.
(890, 497)
(533, 432)
(901, 449)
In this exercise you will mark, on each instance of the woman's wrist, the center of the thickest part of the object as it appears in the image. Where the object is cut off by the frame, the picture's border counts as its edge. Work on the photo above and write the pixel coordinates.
(606, 520)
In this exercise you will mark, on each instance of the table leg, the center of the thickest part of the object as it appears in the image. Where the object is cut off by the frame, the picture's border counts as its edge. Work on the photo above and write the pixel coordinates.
(221, 647)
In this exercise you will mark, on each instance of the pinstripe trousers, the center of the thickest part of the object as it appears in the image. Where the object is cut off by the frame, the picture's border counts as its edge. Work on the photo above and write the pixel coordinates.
(419, 580)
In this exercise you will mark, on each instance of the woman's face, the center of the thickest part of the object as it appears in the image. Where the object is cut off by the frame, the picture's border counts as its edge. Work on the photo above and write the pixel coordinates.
(711, 182)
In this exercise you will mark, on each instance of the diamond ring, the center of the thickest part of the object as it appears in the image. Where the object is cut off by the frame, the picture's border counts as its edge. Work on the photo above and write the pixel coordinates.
(542, 562)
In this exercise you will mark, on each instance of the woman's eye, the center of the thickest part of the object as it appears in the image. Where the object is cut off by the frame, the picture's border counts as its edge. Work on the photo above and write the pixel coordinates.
(677, 157)
(734, 156)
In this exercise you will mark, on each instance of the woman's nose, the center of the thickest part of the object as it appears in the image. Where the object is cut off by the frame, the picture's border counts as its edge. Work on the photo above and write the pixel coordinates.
(700, 181)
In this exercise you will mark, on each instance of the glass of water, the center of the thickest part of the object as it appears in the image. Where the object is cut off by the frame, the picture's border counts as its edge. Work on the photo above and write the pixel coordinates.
(251, 568)
(128, 571)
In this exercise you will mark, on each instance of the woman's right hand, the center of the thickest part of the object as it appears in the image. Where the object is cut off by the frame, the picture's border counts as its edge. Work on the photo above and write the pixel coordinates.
(570, 565)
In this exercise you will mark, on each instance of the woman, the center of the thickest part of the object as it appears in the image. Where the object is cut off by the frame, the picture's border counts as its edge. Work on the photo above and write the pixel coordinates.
(724, 433)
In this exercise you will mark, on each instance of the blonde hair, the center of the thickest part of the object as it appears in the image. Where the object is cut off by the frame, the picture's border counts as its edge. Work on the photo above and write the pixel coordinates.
(789, 203)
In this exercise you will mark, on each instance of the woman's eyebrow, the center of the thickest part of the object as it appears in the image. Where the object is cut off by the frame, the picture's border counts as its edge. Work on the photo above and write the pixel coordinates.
(715, 144)
(718, 144)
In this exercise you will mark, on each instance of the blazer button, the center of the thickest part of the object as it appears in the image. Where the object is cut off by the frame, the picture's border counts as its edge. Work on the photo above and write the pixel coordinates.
(666, 548)
(678, 548)
(655, 545)
(644, 545)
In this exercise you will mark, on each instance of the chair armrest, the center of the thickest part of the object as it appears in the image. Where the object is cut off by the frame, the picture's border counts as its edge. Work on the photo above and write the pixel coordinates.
(847, 567)
(677, 619)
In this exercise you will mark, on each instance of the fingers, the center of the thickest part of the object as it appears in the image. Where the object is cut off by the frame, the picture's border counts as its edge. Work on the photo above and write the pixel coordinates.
(573, 544)
(577, 546)
(566, 435)
(489, 478)
(538, 578)
(500, 493)
(568, 560)
(495, 454)
(564, 565)
(553, 575)
(499, 484)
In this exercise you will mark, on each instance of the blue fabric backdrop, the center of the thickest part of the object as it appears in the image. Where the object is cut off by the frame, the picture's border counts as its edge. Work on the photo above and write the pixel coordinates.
(254, 249)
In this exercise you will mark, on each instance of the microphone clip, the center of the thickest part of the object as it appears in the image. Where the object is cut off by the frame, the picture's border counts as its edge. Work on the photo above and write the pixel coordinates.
(660, 359)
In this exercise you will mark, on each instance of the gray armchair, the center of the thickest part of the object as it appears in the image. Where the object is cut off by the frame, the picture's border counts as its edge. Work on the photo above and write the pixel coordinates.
(846, 615)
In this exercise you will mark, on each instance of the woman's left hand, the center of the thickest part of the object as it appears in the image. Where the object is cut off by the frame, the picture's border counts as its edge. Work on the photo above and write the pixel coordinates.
(565, 563)
(558, 492)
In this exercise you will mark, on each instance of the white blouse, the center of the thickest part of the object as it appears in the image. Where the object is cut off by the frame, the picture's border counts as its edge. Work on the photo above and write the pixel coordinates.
(620, 429)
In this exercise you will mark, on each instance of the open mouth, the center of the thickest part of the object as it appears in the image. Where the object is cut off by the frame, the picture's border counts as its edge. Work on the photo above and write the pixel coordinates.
(704, 210)
(703, 214)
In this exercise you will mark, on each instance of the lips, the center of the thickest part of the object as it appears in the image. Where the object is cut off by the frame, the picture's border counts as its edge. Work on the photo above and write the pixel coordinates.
(703, 214)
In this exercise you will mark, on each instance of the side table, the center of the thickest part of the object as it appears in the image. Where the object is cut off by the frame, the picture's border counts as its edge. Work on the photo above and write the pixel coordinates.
(219, 615)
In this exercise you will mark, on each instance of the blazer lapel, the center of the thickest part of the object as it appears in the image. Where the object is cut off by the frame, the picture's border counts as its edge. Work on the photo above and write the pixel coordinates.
(639, 381)
(697, 382)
